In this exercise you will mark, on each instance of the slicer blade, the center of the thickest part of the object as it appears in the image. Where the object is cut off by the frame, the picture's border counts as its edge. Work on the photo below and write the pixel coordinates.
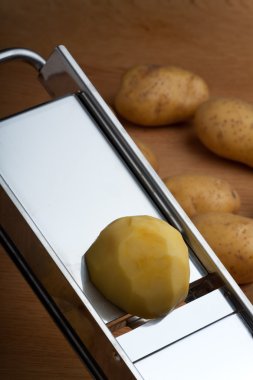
(69, 168)
(74, 185)
(222, 350)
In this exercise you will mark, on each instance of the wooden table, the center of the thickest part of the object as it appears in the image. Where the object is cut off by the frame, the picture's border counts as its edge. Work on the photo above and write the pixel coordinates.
(210, 37)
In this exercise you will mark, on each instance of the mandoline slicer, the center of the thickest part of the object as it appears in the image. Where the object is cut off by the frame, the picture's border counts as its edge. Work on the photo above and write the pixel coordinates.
(68, 168)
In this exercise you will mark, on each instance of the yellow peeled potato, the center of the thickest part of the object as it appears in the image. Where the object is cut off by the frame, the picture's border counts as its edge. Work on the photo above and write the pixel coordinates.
(198, 193)
(225, 126)
(152, 95)
(231, 238)
(141, 264)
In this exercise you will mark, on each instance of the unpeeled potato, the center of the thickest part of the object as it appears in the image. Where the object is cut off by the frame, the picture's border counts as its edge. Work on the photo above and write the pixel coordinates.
(141, 264)
(198, 193)
(225, 126)
(231, 238)
(152, 95)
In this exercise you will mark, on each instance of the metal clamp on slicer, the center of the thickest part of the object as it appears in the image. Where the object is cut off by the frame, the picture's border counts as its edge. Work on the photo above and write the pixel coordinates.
(68, 169)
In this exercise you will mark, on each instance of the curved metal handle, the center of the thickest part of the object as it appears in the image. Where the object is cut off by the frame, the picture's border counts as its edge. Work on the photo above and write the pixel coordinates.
(25, 55)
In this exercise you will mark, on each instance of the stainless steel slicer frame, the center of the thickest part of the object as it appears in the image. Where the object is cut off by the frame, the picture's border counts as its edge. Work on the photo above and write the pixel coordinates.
(84, 317)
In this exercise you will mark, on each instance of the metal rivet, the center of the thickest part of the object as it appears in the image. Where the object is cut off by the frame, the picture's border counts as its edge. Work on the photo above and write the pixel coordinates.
(116, 356)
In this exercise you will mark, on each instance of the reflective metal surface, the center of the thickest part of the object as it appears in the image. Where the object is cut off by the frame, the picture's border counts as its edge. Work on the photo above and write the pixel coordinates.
(223, 350)
(187, 319)
(74, 185)
(25, 55)
(63, 294)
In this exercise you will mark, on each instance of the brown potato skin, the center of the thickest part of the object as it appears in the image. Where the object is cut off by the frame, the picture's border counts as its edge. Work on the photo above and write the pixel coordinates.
(197, 193)
(225, 126)
(231, 238)
(152, 95)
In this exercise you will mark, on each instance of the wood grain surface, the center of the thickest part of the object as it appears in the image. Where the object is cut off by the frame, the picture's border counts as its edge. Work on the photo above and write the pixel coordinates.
(210, 37)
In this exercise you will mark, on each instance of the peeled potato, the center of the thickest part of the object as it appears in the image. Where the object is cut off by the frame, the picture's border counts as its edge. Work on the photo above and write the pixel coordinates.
(231, 238)
(198, 193)
(152, 95)
(140, 264)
